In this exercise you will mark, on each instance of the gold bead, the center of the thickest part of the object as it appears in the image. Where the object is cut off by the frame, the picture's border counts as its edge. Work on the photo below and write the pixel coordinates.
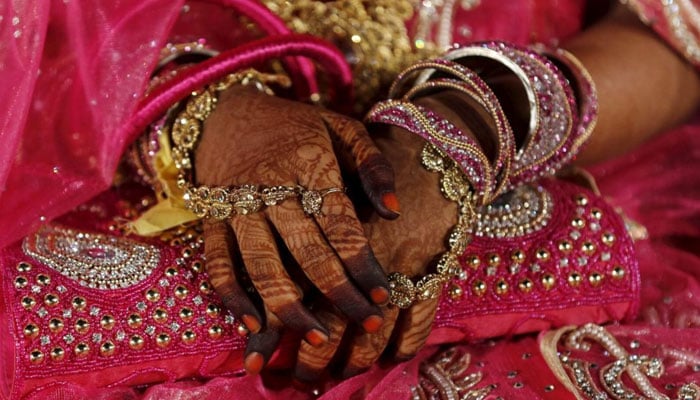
(588, 247)
(23, 266)
(57, 353)
(608, 238)
(596, 213)
(82, 325)
(81, 349)
(180, 292)
(31, 331)
(21, 282)
(212, 310)
(242, 330)
(51, 300)
(205, 287)
(28, 302)
(79, 303)
(43, 280)
(525, 285)
(107, 322)
(186, 314)
(473, 261)
(595, 279)
(176, 242)
(36, 356)
(197, 266)
(501, 287)
(581, 200)
(578, 223)
(152, 295)
(163, 340)
(188, 337)
(574, 279)
(134, 321)
(548, 281)
(455, 291)
(171, 272)
(136, 342)
(160, 315)
(107, 349)
(494, 260)
(517, 256)
(565, 246)
(618, 272)
(215, 331)
(56, 325)
(542, 255)
(187, 252)
(479, 288)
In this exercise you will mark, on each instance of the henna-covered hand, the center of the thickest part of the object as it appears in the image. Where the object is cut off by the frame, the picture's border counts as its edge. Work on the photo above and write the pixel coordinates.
(253, 138)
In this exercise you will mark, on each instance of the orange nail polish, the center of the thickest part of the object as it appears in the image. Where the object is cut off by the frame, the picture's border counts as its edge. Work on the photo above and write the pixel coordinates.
(391, 202)
(379, 295)
(316, 337)
(372, 323)
(253, 363)
(251, 322)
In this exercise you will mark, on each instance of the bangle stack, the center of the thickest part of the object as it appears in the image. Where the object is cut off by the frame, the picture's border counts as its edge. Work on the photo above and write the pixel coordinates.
(561, 116)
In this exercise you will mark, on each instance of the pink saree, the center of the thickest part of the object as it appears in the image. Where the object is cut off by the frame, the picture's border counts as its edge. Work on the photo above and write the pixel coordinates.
(74, 73)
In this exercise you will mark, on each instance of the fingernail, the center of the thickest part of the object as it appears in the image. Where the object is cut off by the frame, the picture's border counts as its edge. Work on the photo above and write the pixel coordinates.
(316, 337)
(251, 322)
(253, 363)
(391, 202)
(379, 295)
(372, 323)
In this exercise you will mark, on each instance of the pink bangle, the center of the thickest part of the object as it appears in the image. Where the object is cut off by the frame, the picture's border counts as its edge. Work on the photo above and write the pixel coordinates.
(549, 140)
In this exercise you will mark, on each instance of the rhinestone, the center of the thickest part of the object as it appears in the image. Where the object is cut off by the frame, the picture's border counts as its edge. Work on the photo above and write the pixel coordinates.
(82, 325)
(596, 213)
(134, 321)
(205, 287)
(473, 261)
(107, 322)
(28, 302)
(574, 279)
(578, 223)
(44, 340)
(494, 260)
(618, 272)
(23, 266)
(68, 338)
(141, 306)
(605, 256)
(94, 311)
(42, 312)
(197, 266)
(121, 335)
(455, 291)
(607, 238)
(215, 331)
(517, 256)
(51, 300)
(136, 342)
(170, 302)
(82, 349)
(61, 289)
(180, 292)
(634, 344)
(548, 281)
(525, 285)
(31, 331)
(581, 200)
(56, 325)
(575, 235)
(197, 300)
(107, 349)
(188, 337)
(186, 314)
(501, 287)
(160, 315)
(171, 272)
(542, 255)
(20, 282)
(174, 327)
(57, 354)
(242, 330)
(163, 340)
(79, 303)
(36, 356)
(164, 282)
(67, 313)
(43, 280)
(152, 295)
(595, 279)
(479, 288)
(150, 330)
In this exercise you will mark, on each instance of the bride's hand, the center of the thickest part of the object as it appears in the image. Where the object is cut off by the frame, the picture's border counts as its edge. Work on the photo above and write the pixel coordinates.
(256, 139)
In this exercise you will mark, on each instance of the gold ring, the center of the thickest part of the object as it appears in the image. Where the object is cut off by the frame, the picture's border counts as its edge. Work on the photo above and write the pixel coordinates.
(312, 200)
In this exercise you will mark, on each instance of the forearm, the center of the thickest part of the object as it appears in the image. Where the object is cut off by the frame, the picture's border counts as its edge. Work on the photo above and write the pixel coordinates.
(644, 87)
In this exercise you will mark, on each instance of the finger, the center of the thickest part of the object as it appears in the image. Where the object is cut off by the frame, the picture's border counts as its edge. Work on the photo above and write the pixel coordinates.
(219, 267)
(375, 172)
(414, 328)
(320, 264)
(277, 290)
(344, 232)
(366, 348)
(261, 345)
(312, 361)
